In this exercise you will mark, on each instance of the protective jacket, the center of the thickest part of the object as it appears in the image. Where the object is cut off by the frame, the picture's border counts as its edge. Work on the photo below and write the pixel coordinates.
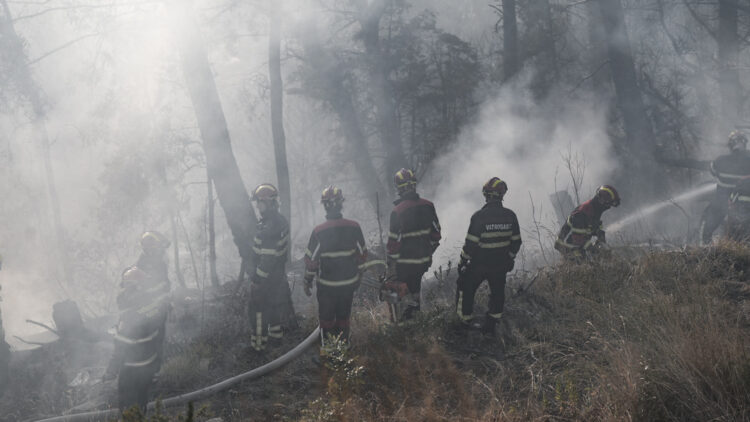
(335, 253)
(414, 231)
(270, 248)
(143, 306)
(730, 168)
(493, 239)
(583, 224)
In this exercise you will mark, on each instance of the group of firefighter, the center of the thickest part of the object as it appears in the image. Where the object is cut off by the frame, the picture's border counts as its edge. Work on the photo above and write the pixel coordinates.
(337, 256)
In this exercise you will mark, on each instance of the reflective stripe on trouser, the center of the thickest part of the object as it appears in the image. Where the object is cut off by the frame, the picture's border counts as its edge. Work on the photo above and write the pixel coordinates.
(258, 338)
(467, 288)
(275, 331)
(460, 305)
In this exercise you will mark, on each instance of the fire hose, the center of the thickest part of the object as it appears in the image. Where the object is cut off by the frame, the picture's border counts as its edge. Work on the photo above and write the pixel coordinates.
(204, 392)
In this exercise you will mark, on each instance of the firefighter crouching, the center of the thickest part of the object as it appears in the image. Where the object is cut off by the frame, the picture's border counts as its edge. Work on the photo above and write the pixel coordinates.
(269, 290)
(143, 303)
(489, 253)
(414, 235)
(335, 254)
(738, 213)
(576, 238)
(728, 170)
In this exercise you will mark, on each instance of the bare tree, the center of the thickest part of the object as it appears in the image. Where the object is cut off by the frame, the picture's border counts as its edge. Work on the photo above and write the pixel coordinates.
(221, 164)
(389, 125)
(22, 75)
(277, 109)
(330, 82)
(639, 134)
(511, 59)
(728, 55)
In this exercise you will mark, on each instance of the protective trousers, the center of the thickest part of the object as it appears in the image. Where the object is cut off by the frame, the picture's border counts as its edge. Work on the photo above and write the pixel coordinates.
(133, 384)
(334, 310)
(281, 310)
(714, 215)
(412, 276)
(467, 286)
(260, 310)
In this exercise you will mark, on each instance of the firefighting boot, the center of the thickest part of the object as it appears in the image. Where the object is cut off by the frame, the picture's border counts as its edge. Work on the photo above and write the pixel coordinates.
(488, 328)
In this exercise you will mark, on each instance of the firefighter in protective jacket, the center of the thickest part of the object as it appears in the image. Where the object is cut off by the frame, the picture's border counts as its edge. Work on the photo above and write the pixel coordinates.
(414, 235)
(335, 254)
(728, 170)
(489, 253)
(143, 303)
(269, 289)
(576, 237)
(153, 261)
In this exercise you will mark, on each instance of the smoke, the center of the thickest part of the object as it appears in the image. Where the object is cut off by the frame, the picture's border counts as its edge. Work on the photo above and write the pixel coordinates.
(526, 143)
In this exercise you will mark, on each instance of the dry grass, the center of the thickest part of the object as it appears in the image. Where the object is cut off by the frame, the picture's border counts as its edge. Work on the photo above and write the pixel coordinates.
(665, 337)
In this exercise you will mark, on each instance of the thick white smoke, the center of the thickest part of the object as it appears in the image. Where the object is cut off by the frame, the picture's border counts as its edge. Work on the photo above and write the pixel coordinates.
(526, 143)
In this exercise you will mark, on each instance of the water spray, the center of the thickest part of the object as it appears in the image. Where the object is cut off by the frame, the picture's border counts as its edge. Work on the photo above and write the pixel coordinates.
(647, 210)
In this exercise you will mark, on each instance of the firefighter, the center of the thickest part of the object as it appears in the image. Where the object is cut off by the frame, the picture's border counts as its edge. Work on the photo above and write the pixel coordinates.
(489, 253)
(269, 289)
(335, 254)
(153, 261)
(576, 238)
(738, 212)
(142, 303)
(414, 235)
(728, 169)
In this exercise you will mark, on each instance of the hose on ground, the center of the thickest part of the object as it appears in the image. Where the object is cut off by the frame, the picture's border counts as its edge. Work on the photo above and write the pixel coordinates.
(203, 392)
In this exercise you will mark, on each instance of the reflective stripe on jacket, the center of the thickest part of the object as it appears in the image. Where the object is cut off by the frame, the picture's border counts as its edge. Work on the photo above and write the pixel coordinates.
(414, 231)
(336, 252)
(493, 238)
(270, 248)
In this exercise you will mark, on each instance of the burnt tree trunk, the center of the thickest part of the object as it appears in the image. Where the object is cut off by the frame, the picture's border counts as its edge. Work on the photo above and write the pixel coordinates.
(221, 164)
(386, 112)
(511, 60)
(176, 247)
(277, 111)
(728, 55)
(639, 134)
(331, 79)
(212, 234)
(28, 88)
(597, 55)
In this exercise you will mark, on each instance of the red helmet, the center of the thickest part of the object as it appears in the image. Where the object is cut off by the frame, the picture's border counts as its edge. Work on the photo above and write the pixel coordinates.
(737, 140)
(265, 192)
(494, 188)
(405, 180)
(154, 240)
(332, 196)
(607, 195)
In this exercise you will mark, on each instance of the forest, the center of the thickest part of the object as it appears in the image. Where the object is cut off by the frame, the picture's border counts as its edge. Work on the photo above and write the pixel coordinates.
(119, 117)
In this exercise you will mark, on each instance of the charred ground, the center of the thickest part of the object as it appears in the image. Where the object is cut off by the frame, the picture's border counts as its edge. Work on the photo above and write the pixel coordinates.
(663, 336)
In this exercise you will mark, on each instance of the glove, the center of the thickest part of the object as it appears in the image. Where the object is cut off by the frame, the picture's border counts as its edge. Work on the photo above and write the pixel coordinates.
(463, 266)
(512, 261)
(308, 288)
